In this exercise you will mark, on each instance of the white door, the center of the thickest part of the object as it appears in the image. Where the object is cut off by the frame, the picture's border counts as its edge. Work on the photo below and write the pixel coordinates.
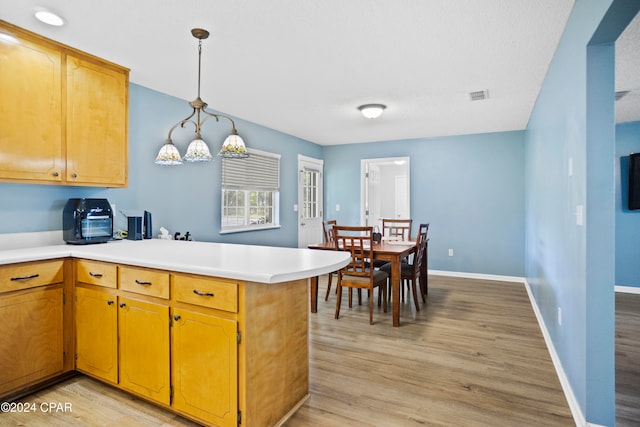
(309, 201)
(384, 189)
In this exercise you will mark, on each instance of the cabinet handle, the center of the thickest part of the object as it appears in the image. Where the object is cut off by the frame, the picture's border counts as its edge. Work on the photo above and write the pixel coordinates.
(56, 173)
(92, 274)
(203, 294)
(74, 175)
(122, 305)
(110, 302)
(33, 276)
(140, 282)
(176, 317)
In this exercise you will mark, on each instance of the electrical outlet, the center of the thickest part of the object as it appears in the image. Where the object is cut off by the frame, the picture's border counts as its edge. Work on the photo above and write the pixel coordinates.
(450, 252)
(559, 316)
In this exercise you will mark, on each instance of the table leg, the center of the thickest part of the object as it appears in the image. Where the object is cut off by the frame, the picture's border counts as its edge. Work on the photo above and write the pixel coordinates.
(314, 294)
(395, 289)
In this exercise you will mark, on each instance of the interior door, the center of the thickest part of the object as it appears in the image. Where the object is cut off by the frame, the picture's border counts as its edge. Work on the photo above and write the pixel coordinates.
(310, 199)
(384, 189)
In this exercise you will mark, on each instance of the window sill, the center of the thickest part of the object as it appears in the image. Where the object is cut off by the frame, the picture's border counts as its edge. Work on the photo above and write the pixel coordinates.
(244, 229)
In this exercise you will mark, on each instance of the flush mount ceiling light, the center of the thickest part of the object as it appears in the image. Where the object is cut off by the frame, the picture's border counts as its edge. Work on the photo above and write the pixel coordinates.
(371, 111)
(48, 17)
(198, 151)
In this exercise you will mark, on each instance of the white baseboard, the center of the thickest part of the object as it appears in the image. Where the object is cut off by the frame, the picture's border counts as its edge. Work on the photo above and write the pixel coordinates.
(628, 289)
(478, 276)
(576, 412)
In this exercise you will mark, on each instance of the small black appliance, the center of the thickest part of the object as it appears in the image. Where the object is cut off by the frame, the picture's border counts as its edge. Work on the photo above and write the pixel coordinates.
(86, 221)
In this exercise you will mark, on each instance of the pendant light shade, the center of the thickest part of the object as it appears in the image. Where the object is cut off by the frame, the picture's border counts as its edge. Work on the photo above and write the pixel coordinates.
(168, 155)
(198, 151)
(233, 147)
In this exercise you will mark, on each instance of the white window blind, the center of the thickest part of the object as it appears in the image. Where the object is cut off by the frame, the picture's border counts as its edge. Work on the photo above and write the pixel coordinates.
(261, 170)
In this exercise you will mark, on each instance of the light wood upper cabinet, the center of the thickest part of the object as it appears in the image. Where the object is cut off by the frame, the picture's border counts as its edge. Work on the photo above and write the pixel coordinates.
(63, 114)
(96, 123)
(30, 112)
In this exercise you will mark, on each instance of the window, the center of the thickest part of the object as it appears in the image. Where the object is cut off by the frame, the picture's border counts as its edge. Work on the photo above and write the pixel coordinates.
(310, 189)
(250, 192)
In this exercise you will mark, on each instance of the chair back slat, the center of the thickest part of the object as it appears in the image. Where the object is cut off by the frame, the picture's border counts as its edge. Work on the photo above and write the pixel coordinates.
(421, 245)
(357, 241)
(327, 227)
(397, 228)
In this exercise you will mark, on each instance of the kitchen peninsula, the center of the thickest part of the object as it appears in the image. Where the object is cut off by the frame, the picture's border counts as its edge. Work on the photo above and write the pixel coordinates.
(215, 332)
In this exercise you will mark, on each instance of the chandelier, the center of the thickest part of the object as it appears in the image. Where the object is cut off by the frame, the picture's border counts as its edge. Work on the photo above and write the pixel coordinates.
(198, 151)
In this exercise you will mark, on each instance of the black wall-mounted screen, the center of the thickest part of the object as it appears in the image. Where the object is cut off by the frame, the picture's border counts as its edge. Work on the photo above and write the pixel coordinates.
(634, 181)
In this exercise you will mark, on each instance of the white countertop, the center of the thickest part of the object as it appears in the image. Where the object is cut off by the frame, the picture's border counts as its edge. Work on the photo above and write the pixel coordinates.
(263, 264)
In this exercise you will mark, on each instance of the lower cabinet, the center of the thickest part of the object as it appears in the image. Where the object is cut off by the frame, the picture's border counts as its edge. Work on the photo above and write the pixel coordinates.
(144, 348)
(204, 367)
(32, 337)
(32, 309)
(97, 334)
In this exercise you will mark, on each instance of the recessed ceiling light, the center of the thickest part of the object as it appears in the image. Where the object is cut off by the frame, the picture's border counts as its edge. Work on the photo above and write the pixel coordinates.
(49, 17)
(371, 111)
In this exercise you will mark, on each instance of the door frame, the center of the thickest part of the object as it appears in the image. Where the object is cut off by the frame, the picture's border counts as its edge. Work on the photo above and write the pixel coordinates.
(306, 236)
(364, 188)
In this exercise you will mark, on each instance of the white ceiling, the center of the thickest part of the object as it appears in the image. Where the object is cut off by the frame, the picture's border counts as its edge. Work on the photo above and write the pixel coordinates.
(303, 67)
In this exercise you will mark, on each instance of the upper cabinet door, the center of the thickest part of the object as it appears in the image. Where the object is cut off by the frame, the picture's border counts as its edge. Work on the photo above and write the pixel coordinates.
(97, 105)
(30, 112)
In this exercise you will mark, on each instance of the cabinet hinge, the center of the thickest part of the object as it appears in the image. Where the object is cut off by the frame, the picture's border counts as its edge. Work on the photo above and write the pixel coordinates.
(239, 337)
(75, 357)
(239, 417)
(170, 322)
(64, 298)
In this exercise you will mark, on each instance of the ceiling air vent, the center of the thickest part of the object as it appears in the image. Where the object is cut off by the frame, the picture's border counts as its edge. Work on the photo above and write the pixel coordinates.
(621, 94)
(479, 95)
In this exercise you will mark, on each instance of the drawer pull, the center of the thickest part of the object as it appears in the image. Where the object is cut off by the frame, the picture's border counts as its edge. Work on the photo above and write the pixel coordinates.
(203, 294)
(33, 276)
(140, 282)
(92, 274)
(110, 302)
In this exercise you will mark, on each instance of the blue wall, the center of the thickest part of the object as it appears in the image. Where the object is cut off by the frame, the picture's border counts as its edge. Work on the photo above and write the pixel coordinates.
(627, 222)
(570, 267)
(184, 198)
(469, 188)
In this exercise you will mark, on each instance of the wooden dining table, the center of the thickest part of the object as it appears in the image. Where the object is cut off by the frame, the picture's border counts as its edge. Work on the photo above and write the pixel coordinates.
(390, 251)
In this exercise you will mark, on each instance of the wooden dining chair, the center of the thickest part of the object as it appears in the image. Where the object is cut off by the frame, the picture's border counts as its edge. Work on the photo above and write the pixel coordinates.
(410, 272)
(357, 274)
(327, 228)
(396, 228)
(399, 229)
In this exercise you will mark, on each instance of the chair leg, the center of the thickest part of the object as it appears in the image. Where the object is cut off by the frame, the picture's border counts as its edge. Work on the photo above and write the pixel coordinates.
(350, 297)
(326, 297)
(415, 294)
(371, 308)
(338, 300)
(384, 297)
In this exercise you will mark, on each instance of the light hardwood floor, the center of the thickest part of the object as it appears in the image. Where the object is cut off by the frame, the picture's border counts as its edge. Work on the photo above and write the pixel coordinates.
(473, 356)
(627, 360)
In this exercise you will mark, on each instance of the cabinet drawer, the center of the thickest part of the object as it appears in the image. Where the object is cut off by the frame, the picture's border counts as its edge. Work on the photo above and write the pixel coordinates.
(207, 292)
(97, 273)
(14, 277)
(142, 281)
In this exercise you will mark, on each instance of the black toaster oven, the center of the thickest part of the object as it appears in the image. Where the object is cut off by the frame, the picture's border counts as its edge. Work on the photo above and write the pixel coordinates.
(87, 221)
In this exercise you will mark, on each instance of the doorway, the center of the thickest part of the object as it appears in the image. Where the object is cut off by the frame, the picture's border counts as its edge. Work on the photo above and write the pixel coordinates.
(310, 199)
(384, 189)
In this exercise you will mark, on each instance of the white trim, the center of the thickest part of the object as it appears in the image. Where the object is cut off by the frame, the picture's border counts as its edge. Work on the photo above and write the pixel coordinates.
(480, 276)
(576, 412)
(627, 289)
